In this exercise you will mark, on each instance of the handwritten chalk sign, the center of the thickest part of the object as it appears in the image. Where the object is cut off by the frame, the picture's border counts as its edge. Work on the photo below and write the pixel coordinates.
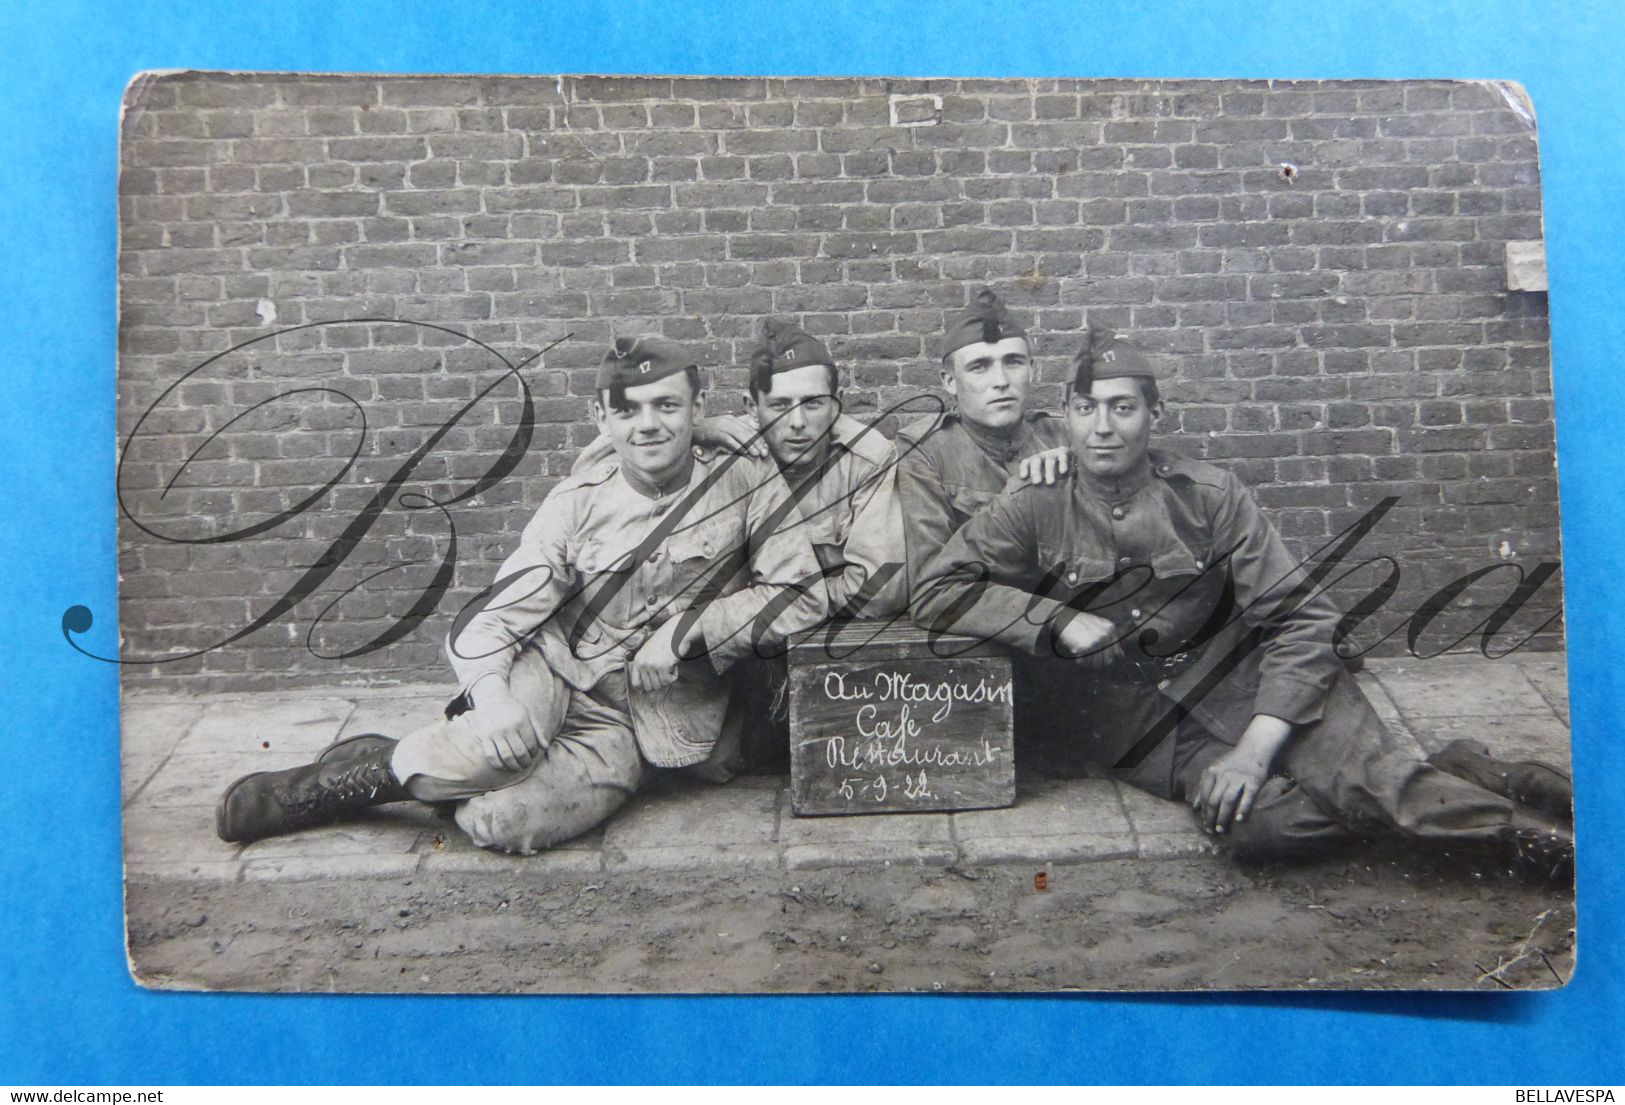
(883, 720)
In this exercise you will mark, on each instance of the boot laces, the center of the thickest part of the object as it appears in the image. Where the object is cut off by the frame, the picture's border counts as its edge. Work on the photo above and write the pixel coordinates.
(320, 798)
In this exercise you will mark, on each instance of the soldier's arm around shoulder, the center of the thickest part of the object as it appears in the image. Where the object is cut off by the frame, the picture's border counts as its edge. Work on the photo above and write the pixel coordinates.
(600, 450)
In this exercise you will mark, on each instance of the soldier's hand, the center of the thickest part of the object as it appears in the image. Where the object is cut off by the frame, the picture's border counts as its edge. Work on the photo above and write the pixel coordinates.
(1046, 467)
(655, 664)
(1089, 639)
(502, 726)
(732, 432)
(1227, 790)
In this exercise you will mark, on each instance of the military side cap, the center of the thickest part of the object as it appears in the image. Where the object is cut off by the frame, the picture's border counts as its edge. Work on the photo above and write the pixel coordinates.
(784, 347)
(1106, 356)
(632, 362)
(985, 320)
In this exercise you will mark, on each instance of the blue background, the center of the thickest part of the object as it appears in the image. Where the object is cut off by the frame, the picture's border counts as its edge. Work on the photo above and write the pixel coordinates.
(68, 1010)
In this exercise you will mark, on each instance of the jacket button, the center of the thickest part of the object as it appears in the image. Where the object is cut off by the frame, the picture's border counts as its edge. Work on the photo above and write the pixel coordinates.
(1135, 614)
(652, 600)
(1118, 512)
(1162, 685)
(1199, 564)
(654, 556)
(1072, 577)
(1164, 469)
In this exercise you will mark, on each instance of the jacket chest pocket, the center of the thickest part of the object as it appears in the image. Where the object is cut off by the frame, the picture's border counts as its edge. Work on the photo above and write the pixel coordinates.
(1176, 561)
(1092, 564)
(605, 569)
(697, 557)
(824, 524)
(1075, 570)
(968, 500)
(1173, 580)
(596, 555)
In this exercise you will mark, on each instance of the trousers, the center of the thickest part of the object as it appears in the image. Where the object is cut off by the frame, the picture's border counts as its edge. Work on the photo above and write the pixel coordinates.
(1347, 777)
(589, 765)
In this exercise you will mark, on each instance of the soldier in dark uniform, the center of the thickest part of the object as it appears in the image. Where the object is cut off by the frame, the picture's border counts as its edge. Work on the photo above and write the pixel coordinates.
(952, 464)
(1206, 650)
(597, 662)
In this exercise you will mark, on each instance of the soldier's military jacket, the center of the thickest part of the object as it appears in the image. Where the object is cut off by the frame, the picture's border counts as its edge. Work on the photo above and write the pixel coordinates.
(850, 514)
(1155, 553)
(607, 559)
(948, 469)
(852, 518)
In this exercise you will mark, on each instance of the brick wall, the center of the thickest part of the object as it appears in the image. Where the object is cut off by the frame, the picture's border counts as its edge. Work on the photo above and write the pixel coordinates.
(1335, 339)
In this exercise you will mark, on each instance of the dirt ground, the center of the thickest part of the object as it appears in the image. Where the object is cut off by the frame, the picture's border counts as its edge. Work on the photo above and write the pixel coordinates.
(1194, 924)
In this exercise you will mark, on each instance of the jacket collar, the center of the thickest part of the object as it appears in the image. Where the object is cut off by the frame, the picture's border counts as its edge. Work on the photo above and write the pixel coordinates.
(1115, 490)
(651, 490)
(1002, 445)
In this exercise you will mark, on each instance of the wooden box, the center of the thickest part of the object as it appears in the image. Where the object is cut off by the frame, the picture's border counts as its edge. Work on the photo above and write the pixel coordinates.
(886, 718)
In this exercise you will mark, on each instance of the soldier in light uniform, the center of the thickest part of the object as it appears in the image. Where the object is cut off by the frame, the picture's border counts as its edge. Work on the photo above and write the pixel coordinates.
(842, 472)
(1139, 565)
(596, 662)
(843, 475)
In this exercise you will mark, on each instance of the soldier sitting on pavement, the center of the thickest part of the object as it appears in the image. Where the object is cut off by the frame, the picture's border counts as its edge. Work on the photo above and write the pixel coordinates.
(842, 474)
(952, 464)
(596, 661)
(1137, 566)
(841, 470)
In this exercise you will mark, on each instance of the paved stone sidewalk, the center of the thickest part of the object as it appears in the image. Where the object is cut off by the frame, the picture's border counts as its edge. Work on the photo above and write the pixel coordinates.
(180, 751)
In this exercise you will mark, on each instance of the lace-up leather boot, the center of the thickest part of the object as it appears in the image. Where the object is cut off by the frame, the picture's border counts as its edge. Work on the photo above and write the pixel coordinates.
(1529, 782)
(269, 803)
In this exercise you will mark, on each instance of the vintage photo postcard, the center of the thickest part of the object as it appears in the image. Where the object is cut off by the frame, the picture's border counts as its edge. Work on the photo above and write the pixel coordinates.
(667, 534)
